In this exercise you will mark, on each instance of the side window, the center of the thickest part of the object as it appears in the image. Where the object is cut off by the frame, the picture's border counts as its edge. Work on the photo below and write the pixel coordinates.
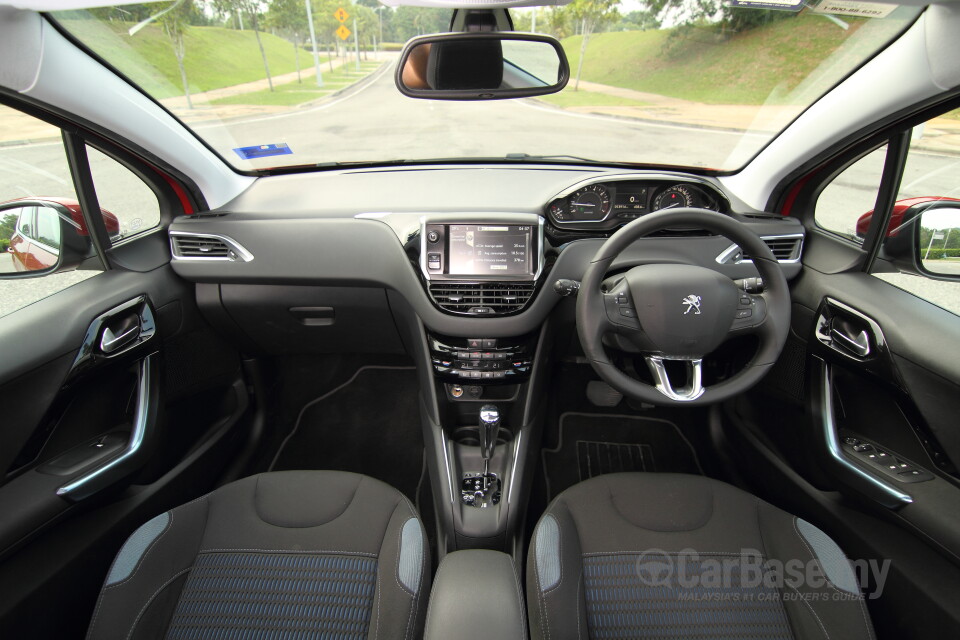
(34, 168)
(122, 193)
(33, 164)
(932, 173)
(47, 228)
(846, 202)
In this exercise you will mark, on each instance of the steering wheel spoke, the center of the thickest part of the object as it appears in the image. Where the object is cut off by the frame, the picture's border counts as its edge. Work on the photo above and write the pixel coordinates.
(693, 387)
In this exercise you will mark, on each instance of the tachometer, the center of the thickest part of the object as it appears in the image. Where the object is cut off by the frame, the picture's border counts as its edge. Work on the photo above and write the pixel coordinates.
(590, 203)
(558, 210)
(675, 196)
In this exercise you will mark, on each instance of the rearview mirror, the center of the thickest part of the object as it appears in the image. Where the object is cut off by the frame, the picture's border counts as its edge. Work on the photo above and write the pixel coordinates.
(481, 66)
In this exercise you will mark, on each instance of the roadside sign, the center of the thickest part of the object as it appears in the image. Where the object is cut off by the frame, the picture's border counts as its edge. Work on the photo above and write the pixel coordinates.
(342, 32)
(938, 235)
(341, 15)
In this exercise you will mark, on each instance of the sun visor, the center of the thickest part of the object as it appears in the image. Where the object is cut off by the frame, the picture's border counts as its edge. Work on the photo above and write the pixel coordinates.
(474, 4)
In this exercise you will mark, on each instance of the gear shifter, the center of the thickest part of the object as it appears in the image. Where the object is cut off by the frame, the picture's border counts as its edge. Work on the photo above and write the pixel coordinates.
(489, 428)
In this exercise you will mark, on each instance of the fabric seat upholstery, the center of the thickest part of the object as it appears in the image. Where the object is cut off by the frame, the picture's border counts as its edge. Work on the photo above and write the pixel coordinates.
(646, 555)
(294, 554)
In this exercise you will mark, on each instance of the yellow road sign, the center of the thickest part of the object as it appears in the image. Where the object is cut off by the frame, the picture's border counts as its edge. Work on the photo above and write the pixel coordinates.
(341, 15)
(343, 32)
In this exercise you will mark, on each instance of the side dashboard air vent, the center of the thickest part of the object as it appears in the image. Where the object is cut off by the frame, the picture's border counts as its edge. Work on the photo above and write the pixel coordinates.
(482, 298)
(784, 248)
(195, 246)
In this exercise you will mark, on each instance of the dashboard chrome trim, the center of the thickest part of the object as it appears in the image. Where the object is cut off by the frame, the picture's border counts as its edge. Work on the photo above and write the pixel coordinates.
(726, 256)
(238, 250)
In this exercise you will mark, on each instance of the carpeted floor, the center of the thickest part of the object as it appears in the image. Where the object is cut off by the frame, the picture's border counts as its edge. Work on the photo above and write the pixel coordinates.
(370, 425)
(592, 444)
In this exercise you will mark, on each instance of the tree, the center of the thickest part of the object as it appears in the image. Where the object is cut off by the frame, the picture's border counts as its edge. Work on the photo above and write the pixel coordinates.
(639, 21)
(7, 226)
(685, 13)
(289, 17)
(366, 25)
(175, 23)
(250, 9)
(592, 15)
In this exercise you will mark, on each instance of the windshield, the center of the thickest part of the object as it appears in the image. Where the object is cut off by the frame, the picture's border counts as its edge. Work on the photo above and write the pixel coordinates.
(275, 83)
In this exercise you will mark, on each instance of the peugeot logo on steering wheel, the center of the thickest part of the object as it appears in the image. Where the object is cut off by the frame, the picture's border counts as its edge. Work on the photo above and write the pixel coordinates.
(693, 304)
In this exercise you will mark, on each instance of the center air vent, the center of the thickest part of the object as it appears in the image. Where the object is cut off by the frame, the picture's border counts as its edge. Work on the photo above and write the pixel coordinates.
(482, 298)
(192, 246)
(784, 249)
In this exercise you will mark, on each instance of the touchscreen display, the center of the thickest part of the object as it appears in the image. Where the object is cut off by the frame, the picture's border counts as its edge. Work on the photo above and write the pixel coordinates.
(482, 249)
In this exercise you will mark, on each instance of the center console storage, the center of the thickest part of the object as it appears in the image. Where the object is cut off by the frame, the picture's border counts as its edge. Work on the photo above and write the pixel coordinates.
(476, 596)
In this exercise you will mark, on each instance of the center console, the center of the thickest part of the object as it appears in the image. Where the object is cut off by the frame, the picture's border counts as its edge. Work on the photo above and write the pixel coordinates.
(485, 429)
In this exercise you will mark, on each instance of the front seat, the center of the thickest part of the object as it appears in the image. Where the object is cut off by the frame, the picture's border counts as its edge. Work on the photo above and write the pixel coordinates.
(293, 554)
(647, 555)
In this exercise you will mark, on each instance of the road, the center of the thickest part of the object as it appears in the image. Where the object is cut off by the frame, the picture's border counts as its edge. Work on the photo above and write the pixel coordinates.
(374, 121)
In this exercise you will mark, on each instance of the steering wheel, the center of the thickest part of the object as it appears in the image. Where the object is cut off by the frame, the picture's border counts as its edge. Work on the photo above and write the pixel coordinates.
(680, 312)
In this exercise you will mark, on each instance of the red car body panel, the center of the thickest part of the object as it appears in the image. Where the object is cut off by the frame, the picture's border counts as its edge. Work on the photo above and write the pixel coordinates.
(896, 219)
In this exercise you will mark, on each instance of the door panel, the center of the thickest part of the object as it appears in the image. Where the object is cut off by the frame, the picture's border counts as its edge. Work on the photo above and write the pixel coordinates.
(119, 402)
(890, 383)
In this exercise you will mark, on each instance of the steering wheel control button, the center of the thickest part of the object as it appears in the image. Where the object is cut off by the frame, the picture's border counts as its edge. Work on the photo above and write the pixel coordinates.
(627, 312)
(745, 301)
(743, 313)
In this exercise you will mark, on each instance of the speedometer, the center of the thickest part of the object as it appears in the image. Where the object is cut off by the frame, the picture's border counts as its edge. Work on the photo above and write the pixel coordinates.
(590, 203)
(675, 196)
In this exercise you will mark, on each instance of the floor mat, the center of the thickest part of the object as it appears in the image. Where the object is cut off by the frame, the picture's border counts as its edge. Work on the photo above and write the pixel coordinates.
(595, 444)
(370, 425)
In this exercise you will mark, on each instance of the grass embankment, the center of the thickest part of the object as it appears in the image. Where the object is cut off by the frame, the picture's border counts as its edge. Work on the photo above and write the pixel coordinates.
(215, 57)
(295, 93)
(761, 65)
(570, 98)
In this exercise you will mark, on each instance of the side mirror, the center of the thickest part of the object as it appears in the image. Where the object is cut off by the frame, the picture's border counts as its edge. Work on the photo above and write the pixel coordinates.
(40, 236)
(482, 66)
(938, 240)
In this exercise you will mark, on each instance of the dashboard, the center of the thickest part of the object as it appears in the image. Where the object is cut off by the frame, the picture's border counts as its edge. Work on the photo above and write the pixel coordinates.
(468, 250)
(613, 201)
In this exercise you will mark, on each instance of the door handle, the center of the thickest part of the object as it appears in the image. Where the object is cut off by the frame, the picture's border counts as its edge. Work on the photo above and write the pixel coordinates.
(846, 331)
(118, 335)
(847, 338)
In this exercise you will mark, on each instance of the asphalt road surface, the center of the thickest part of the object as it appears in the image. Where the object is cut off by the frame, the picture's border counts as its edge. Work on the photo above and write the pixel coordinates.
(374, 121)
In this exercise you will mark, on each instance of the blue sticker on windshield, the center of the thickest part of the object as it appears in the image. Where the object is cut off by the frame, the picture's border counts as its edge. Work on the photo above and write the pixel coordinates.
(263, 151)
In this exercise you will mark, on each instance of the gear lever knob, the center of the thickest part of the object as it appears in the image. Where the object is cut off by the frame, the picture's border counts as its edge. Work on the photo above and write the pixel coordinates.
(489, 427)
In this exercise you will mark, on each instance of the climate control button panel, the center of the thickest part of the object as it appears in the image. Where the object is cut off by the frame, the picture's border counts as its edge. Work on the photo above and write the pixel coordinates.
(482, 360)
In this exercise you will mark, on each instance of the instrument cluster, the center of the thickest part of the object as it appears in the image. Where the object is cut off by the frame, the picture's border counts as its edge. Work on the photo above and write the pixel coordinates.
(605, 205)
